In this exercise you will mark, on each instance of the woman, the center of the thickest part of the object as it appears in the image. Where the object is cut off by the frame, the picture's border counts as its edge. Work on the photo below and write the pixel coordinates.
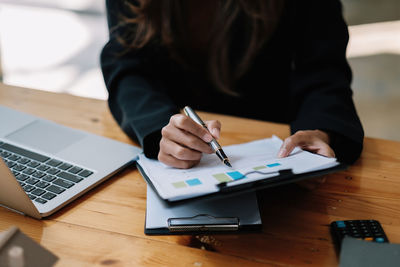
(272, 60)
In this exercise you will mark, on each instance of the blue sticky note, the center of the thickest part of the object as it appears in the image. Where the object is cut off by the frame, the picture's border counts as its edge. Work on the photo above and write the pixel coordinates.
(235, 175)
(193, 182)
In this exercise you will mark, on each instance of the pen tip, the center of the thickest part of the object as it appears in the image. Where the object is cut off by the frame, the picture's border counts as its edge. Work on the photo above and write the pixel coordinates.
(227, 163)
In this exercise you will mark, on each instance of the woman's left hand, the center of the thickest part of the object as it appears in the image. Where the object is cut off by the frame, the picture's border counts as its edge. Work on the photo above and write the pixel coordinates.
(315, 141)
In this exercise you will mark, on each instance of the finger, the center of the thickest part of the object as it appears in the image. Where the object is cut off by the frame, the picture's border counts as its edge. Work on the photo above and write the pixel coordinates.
(325, 150)
(300, 138)
(177, 151)
(185, 139)
(176, 163)
(185, 123)
(214, 127)
(319, 147)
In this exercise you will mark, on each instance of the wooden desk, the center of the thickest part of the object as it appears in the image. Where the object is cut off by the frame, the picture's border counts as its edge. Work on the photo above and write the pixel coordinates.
(105, 226)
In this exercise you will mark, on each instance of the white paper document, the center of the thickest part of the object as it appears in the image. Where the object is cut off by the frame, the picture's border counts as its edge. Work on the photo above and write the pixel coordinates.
(250, 162)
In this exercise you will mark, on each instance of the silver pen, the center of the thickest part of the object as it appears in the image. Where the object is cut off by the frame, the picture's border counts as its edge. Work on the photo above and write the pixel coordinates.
(214, 144)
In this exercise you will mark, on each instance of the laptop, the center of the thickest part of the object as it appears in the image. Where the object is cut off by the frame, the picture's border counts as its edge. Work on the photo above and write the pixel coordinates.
(44, 165)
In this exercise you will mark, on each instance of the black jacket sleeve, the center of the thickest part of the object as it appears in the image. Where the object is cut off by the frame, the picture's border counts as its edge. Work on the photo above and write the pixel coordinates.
(137, 97)
(322, 77)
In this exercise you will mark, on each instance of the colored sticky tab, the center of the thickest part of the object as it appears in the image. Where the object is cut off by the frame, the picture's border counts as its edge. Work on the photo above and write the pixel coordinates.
(222, 177)
(235, 175)
(193, 182)
(179, 184)
(340, 224)
(259, 168)
(273, 165)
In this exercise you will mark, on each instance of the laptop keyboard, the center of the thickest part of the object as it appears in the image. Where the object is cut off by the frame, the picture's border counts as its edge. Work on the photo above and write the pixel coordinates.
(42, 177)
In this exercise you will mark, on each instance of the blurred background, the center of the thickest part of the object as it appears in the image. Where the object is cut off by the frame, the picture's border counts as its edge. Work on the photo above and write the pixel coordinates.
(54, 45)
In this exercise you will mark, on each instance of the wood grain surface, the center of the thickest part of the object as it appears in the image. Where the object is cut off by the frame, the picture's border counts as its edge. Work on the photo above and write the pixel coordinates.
(105, 226)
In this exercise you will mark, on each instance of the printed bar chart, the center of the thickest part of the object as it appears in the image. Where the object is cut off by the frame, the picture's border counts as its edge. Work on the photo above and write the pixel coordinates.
(190, 182)
(193, 182)
(273, 165)
(179, 184)
(222, 177)
(259, 168)
(236, 175)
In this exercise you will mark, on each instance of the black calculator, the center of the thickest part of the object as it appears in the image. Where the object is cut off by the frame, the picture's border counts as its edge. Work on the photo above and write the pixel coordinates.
(368, 230)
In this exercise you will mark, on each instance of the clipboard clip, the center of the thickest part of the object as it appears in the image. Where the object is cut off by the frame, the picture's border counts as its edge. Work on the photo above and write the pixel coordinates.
(203, 223)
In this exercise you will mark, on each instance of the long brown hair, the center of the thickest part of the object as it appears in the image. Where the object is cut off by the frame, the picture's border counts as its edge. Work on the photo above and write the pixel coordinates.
(165, 20)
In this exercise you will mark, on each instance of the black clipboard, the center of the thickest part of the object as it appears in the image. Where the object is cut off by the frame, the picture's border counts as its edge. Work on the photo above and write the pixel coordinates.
(231, 215)
(282, 177)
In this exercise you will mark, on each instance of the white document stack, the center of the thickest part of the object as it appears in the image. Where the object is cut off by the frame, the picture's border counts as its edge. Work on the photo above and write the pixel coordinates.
(250, 162)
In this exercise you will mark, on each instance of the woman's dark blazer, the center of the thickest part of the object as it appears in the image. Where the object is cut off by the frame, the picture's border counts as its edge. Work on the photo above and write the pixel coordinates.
(300, 77)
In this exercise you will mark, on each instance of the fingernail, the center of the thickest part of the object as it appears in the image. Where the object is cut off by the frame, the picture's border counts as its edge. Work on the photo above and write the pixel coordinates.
(207, 138)
(282, 153)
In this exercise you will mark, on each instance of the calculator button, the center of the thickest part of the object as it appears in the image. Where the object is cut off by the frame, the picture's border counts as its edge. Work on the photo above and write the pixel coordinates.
(340, 224)
(368, 239)
(379, 239)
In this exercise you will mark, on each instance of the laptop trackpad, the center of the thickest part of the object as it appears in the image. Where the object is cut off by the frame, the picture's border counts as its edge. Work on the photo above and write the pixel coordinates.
(45, 136)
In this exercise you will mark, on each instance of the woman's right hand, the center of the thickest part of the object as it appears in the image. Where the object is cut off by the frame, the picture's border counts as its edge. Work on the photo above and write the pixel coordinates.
(183, 141)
